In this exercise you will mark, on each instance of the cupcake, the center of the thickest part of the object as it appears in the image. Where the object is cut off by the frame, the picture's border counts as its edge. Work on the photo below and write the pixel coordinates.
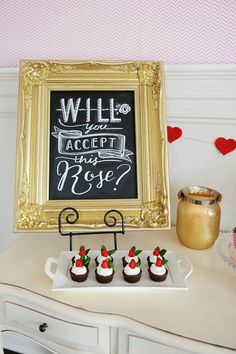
(79, 272)
(82, 253)
(132, 255)
(132, 271)
(105, 254)
(104, 272)
(157, 252)
(157, 271)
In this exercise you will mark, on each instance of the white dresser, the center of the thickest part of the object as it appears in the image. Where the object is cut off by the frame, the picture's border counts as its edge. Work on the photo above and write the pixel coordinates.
(34, 319)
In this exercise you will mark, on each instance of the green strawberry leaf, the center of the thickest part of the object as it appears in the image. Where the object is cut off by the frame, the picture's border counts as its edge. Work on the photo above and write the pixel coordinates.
(87, 251)
(111, 264)
(138, 263)
(164, 261)
(110, 252)
(87, 260)
(103, 247)
(133, 248)
(162, 252)
(138, 252)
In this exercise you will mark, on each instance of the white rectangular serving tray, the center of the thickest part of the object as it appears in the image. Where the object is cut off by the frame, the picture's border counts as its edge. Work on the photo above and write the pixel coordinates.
(179, 268)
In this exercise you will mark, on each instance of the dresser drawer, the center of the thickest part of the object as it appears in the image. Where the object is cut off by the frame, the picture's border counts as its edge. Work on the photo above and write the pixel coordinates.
(140, 345)
(164, 343)
(28, 319)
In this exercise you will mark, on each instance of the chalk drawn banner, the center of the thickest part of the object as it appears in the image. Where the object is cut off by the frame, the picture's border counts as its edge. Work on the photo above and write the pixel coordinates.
(91, 135)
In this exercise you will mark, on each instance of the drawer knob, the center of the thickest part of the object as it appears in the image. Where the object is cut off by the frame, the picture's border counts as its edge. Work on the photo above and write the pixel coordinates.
(43, 327)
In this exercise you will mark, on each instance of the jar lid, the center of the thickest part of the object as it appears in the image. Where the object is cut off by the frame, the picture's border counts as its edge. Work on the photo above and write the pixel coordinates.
(199, 195)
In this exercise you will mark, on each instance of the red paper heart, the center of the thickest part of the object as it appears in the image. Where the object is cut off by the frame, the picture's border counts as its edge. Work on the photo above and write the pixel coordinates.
(173, 133)
(225, 145)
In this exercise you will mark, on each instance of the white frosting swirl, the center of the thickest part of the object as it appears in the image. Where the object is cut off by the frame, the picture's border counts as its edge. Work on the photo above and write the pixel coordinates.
(79, 270)
(100, 258)
(131, 271)
(78, 257)
(128, 259)
(105, 272)
(153, 258)
(157, 270)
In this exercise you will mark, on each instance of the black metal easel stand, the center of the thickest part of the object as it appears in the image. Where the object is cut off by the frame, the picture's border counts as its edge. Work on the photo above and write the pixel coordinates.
(111, 219)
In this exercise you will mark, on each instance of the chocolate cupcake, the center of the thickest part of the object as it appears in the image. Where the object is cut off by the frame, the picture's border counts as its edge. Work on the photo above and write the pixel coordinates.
(157, 271)
(157, 252)
(105, 254)
(82, 253)
(132, 272)
(132, 254)
(104, 272)
(79, 272)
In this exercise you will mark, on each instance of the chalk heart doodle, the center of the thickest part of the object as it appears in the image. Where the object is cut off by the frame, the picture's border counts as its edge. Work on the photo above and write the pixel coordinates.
(91, 151)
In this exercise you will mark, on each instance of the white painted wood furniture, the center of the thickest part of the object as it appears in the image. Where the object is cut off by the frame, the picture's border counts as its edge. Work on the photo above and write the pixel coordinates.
(199, 320)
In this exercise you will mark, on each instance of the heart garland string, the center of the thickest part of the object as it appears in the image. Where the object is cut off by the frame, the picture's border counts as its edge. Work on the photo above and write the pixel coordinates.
(224, 146)
(173, 133)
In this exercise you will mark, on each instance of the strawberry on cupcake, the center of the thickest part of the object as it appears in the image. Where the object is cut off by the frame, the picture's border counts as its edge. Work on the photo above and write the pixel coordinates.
(105, 254)
(132, 255)
(82, 253)
(157, 252)
(132, 271)
(79, 272)
(104, 272)
(158, 271)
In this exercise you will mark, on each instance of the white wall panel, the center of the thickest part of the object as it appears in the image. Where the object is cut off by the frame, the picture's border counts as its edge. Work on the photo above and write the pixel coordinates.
(201, 100)
(199, 107)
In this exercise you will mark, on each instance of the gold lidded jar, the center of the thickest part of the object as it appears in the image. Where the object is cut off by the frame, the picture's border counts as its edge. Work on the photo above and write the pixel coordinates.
(198, 216)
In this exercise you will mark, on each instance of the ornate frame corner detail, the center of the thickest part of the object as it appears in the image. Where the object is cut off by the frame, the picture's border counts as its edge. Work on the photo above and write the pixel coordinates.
(30, 216)
(35, 73)
(149, 74)
(154, 213)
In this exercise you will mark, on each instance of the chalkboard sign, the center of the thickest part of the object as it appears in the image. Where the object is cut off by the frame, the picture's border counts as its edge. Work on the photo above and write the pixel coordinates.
(92, 145)
(91, 135)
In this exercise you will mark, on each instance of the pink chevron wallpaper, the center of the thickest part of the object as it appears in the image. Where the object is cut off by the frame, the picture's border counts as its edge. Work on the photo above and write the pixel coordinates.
(176, 31)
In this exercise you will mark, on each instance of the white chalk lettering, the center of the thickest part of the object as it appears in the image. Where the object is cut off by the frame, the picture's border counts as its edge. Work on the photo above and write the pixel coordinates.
(69, 145)
(99, 112)
(101, 176)
(64, 166)
(91, 127)
(112, 142)
(93, 160)
(93, 142)
(88, 110)
(112, 118)
(70, 108)
(88, 178)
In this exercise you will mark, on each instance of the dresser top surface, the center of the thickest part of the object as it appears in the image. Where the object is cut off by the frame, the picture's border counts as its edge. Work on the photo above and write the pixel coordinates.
(206, 311)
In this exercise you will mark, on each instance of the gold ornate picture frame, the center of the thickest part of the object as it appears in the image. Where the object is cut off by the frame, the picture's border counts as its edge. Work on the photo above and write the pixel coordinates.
(91, 135)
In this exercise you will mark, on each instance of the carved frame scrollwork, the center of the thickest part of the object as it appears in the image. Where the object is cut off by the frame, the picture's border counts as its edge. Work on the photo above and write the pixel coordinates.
(33, 209)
